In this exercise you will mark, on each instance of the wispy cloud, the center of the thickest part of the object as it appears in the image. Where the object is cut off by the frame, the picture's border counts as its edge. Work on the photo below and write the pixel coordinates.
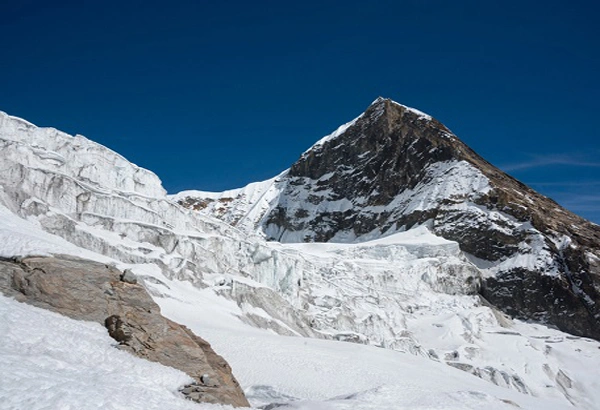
(584, 204)
(537, 161)
(581, 197)
(568, 184)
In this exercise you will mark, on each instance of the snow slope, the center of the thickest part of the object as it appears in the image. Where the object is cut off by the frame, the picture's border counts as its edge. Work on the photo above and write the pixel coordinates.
(48, 361)
(324, 374)
(411, 292)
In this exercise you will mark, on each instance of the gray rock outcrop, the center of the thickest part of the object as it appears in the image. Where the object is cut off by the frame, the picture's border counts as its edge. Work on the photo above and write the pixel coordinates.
(87, 290)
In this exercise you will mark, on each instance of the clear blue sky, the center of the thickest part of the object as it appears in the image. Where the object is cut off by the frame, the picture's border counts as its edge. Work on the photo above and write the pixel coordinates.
(214, 95)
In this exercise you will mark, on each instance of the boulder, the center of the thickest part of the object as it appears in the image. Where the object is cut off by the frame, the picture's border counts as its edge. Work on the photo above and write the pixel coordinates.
(87, 290)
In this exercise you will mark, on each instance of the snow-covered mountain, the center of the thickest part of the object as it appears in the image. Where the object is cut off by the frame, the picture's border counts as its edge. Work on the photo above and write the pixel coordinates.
(406, 285)
(394, 168)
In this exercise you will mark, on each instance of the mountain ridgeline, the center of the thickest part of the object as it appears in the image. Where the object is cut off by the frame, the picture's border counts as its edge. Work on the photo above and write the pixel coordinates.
(389, 232)
(394, 168)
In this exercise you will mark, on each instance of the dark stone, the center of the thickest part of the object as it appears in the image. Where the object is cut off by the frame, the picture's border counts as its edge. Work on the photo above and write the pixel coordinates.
(541, 298)
(128, 277)
(117, 329)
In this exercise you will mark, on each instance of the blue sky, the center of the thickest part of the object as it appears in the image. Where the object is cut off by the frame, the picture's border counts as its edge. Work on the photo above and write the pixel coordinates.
(214, 95)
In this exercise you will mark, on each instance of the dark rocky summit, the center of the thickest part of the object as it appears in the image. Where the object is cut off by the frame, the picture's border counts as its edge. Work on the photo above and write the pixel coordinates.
(389, 151)
(92, 291)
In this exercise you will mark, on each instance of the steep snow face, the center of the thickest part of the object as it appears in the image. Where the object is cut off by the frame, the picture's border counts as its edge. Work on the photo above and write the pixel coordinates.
(410, 291)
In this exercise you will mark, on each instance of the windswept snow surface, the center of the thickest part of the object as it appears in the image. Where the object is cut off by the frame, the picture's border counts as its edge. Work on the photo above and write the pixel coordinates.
(410, 292)
(48, 361)
(339, 131)
(414, 110)
(49, 148)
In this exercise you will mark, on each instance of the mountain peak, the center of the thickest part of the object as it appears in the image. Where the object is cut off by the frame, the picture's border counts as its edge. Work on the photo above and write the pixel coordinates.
(394, 168)
(387, 104)
(380, 100)
(382, 110)
(386, 133)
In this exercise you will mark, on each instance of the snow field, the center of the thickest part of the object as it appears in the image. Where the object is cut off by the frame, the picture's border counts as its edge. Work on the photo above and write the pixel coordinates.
(324, 374)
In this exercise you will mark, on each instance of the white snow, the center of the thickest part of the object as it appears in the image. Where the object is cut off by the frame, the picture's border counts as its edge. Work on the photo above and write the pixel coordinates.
(324, 374)
(421, 114)
(247, 208)
(48, 361)
(241, 207)
(19, 237)
(50, 149)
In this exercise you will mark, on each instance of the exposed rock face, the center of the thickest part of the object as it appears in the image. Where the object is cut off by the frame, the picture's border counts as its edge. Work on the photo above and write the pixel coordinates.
(395, 167)
(87, 290)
